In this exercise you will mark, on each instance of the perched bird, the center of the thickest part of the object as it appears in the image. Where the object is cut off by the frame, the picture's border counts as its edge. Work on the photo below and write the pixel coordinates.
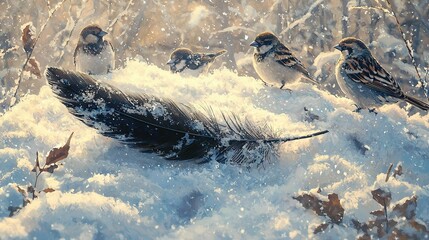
(364, 80)
(275, 63)
(183, 60)
(93, 55)
(178, 132)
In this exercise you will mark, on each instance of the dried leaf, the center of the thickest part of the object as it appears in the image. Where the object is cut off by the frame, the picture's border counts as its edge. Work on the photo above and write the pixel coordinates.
(407, 209)
(418, 226)
(22, 191)
(380, 225)
(378, 213)
(25, 201)
(322, 227)
(388, 172)
(33, 67)
(382, 197)
(333, 208)
(309, 201)
(30, 189)
(360, 226)
(48, 190)
(13, 210)
(28, 38)
(398, 171)
(37, 166)
(58, 154)
(50, 169)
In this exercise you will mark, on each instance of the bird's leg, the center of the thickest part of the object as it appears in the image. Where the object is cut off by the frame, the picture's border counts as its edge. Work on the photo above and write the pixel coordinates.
(287, 89)
(358, 109)
(373, 110)
(265, 84)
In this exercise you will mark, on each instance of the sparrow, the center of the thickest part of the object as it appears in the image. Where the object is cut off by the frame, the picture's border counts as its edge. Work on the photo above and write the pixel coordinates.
(183, 60)
(275, 63)
(364, 80)
(93, 55)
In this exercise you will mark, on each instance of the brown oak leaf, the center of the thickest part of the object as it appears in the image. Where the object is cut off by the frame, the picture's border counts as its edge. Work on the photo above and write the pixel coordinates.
(383, 197)
(58, 154)
(309, 201)
(333, 208)
(28, 38)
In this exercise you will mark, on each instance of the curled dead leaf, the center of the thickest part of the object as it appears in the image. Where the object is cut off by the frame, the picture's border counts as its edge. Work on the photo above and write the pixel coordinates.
(50, 169)
(12, 210)
(309, 201)
(383, 197)
(28, 38)
(333, 208)
(406, 209)
(58, 154)
(48, 190)
(33, 67)
(420, 227)
(378, 213)
(398, 171)
(30, 189)
(322, 227)
(22, 191)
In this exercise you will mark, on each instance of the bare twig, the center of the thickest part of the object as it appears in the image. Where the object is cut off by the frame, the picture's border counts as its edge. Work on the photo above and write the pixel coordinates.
(388, 172)
(303, 18)
(409, 48)
(72, 30)
(121, 14)
(51, 13)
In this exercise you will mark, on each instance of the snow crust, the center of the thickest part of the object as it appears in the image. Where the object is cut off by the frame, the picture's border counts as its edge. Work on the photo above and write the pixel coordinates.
(106, 190)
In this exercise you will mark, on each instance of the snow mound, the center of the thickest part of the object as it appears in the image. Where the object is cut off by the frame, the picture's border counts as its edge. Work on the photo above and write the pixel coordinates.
(106, 190)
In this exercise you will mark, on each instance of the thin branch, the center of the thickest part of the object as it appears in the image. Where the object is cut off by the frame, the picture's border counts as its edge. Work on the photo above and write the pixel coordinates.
(51, 13)
(303, 18)
(121, 14)
(371, 8)
(409, 48)
(72, 30)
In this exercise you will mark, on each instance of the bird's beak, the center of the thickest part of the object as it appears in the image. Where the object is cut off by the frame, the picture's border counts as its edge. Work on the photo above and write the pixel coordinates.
(255, 44)
(170, 62)
(102, 33)
(338, 47)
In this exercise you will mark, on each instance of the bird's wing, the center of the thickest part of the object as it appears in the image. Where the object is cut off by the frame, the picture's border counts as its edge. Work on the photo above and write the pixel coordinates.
(285, 57)
(366, 70)
(197, 61)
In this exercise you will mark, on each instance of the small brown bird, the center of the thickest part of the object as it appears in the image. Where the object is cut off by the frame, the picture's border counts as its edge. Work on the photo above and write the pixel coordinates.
(364, 80)
(93, 55)
(183, 60)
(275, 63)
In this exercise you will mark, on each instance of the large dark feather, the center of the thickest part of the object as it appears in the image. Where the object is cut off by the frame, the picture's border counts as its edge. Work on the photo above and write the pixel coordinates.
(152, 124)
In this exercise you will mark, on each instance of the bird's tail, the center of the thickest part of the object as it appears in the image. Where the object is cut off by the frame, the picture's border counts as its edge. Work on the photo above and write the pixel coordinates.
(311, 79)
(172, 130)
(223, 51)
(416, 102)
(210, 57)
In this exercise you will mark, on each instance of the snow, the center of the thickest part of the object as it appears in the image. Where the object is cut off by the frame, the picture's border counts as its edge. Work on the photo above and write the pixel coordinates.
(106, 190)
